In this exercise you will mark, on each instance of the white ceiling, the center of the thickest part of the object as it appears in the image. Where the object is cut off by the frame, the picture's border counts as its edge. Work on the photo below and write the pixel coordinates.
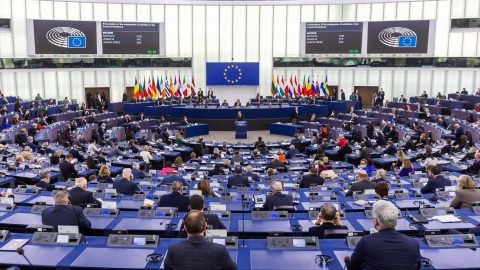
(243, 3)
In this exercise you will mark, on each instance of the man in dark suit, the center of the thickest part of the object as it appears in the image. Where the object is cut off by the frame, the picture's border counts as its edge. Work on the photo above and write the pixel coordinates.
(381, 174)
(136, 172)
(224, 103)
(446, 148)
(391, 149)
(238, 178)
(249, 173)
(200, 92)
(328, 219)
(311, 178)
(184, 121)
(259, 142)
(362, 184)
(410, 144)
(64, 109)
(380, 139)
(80, 196)
(44, 181)
(458, 134)
(196, 252)
(438, 181)
(295, 115)
(63, 214)
(67, 169)
(470, 155)
(32, 130)
(355, 135)
(441, 122)
(276, 163)
(174, 177)
(475, 167)
(175, 199)
(22, 136)
(240, 116)
(292, 152)
(387, 249)
(402, 99)
(393, 134)
(277, 198)
(102, 129)
(125, 185)
(30, 144)
(197, 204)
(210, 93)
(459, 97)
(342, 94)
(76, 154)
(125, 97)
(345, 150)
(164, 136)
(236, 158)
(365, 153)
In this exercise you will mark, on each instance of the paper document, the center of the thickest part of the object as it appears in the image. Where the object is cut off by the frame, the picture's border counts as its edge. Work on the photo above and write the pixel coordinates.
(447, 218)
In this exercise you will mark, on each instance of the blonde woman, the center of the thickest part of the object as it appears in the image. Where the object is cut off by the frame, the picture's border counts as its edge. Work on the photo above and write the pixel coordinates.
(104, 175)
(466, 194)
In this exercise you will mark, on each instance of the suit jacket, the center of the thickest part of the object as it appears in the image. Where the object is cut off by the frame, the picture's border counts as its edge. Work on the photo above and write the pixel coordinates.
(434, 183)
(310, 179)
(235, 180)
(125, 97)
(344, 151)
(65, 215)
(107, 179)
(465, 197)
(342, 95)
(446, 149)
(443, 124)
(175, 199)
(164, 136)
(376, 180)
(114, 152)
(82, 197)
(366, 153)
(410, 145)
(468, 156)
(254, 176)
(22, 138)
(240, 118)
(277, 164)
(291, 153)
(277, 199)
(198, 253)
(76, 155)
(474, 168)
(213, 222)
(138, 173)
(68, 170)
(381, 141)
(237, 159)
(387, 249)
(458, 134)
(32, 131)
(45, 186)
(125, 186)
(184, 123)
(360, 186)
(319, 230)
(294, 114)
(391, 150)
(172, 178)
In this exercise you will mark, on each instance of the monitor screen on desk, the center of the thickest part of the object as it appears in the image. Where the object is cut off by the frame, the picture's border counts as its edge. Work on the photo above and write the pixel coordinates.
(274, 215)
(299, 243)
(139, 241)
(160, 214)
(107, 196)
(326, 198)
(441, 211)
(150, 197)
(105, 212)
(238, 199)
(220, 241)
(63, 238)
(457, 240)
(370, 197)
(28, 191)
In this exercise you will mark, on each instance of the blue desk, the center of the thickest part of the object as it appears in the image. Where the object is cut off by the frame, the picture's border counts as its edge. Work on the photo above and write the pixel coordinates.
(230, 113)
(111, 257)
(156, 111)
(284, 129)
(136, 107)
(195, 130)
(321, 109)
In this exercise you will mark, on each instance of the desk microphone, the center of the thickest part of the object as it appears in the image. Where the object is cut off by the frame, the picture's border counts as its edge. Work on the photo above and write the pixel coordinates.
(20, 251)
(455, 245)
(161, 222)
(347, 261)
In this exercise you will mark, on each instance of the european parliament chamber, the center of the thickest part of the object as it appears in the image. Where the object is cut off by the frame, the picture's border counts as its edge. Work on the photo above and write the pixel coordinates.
(184, 134)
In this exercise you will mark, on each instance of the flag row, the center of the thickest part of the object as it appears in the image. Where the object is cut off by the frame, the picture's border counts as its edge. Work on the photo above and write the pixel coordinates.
(294, 88)
(164, 88)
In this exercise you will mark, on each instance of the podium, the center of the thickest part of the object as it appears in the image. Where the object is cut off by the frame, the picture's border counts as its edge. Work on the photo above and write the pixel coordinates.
(240, 129)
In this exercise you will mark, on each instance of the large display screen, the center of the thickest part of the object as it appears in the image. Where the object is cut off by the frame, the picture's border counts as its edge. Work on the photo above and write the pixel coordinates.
(130, 38)
(64, 37)
(333, 37)
(398, 37)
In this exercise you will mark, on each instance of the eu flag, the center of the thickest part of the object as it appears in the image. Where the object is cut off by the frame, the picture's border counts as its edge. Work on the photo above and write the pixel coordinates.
(407, 41)
(77, 42)
(233, 73)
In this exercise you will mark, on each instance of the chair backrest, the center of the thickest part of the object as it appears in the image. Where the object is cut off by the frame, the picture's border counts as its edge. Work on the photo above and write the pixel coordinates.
(289, 208)
(469, 137)
(395, 99)
(335, 234)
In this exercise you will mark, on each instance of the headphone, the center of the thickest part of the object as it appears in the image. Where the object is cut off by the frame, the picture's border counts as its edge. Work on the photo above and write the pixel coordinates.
(154, 257)
(426, 261)
(295, 227)
(193, 211)
(271, 185)
(323, 259)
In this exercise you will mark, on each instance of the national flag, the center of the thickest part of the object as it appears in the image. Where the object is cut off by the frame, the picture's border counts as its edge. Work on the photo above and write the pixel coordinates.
(317, 88)
(323, 89)
(295, 84)
(147, 89)
(145, 93)
(282, 86)
(141, 90)
(309, 87)
(136, 91)
(185, 87)
(291, 88)
(166, 87)
(154, 88)
(160, 87)
(179, 87)
(274, 89)
(304, 87)
(326, 86)
(170, 87)
(193, 87)
(278, 86)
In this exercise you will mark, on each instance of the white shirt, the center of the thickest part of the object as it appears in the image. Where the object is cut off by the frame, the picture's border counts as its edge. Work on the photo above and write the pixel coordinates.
(92, 149)
(146, 156)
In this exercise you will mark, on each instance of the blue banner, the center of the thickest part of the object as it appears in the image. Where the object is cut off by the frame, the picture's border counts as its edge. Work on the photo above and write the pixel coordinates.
(233, 73)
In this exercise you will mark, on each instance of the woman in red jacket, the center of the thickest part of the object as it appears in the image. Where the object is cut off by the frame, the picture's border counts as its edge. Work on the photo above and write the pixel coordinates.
(341, 141)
